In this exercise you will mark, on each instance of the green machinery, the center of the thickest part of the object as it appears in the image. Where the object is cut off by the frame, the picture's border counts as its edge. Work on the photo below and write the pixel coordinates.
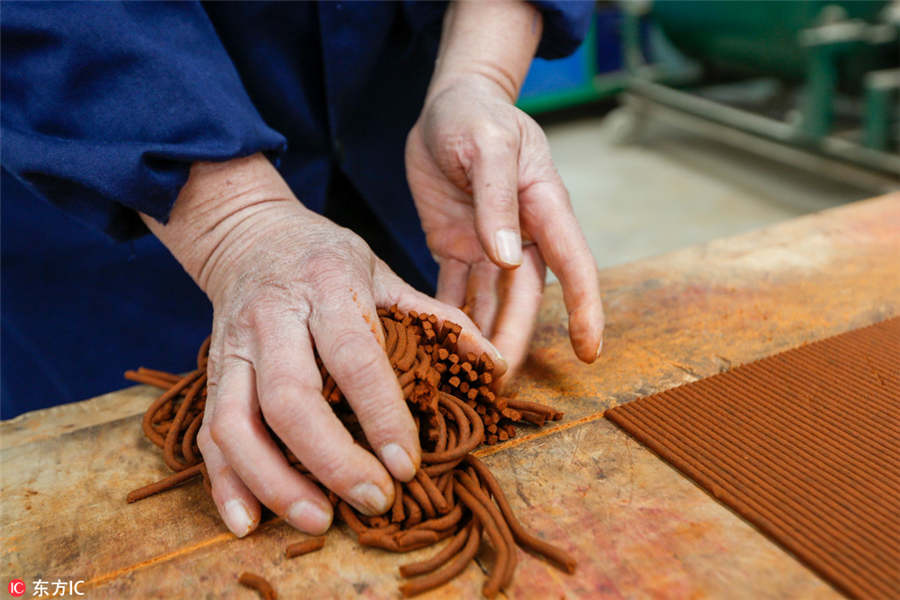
(832, 67)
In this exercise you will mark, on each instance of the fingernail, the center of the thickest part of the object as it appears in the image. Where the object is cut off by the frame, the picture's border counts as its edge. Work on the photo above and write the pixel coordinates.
(496, 353)
(369, 498)
(398, 462)
(599, 349)
(309, 517)
(509, 246)
(237, 518)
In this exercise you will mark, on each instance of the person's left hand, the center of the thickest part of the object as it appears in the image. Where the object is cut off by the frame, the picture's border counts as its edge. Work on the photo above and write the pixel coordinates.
(483, 180)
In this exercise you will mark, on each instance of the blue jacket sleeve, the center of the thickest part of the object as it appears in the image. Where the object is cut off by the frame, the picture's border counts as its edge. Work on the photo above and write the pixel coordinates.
(566, 22)
(106, 105)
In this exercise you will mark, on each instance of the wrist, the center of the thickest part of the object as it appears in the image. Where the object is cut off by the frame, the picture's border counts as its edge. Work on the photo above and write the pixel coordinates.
(491, 42)
(219, 210)
(477, 81)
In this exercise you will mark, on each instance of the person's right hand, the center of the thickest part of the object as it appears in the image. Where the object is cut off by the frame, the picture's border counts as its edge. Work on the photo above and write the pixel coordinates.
(283, 280)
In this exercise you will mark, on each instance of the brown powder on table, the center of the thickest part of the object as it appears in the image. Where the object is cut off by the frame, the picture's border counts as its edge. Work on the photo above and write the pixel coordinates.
(453, 495)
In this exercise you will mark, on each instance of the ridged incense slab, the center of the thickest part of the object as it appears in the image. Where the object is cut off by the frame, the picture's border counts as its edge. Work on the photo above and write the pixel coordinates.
(804, 444)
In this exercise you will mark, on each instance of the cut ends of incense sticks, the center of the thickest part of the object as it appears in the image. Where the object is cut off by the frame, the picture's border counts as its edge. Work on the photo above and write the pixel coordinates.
(804, 444)
(453, 496)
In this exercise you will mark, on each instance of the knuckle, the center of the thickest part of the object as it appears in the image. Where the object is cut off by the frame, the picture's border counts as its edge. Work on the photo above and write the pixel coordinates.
(457, 316)
(262, 312)
(284, 399)
(382, 420)
(204, 440)
(332, 258)
(260, 307)
(493, 137)
(332, 462)
(504, 201)
(339, 478)
(222, 428)
(356, 354)
(344, 472)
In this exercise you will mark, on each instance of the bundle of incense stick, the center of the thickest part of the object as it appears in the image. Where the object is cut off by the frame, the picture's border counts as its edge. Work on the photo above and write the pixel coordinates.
(453, 495)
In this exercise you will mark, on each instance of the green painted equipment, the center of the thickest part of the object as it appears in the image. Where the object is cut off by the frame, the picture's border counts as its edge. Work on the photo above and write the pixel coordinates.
(836, 66)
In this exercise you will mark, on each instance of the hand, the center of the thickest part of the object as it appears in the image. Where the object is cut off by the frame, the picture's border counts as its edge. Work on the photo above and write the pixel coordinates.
(483, 180)
(283, 279)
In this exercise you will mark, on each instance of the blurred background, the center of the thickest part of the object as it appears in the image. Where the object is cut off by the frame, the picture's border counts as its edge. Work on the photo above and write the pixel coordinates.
(680, 121)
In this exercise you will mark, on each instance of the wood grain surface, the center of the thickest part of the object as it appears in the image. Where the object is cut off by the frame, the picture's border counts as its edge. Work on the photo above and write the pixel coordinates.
(638, 528)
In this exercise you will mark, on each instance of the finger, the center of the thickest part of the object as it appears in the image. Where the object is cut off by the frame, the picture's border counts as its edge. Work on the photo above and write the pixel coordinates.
(548, 217)
(494, 176)
(521, 292)
(481, 295)
(238, 431)
(394, 290)
(352, 354)
(238, 507)
(235, 502)
(451, 285)
(290, 389)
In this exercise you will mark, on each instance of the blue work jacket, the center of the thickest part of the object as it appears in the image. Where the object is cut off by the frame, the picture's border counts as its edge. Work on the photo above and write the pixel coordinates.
(106, 105)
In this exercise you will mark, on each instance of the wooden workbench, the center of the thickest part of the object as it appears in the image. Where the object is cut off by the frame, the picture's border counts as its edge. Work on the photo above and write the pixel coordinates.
(637, 527)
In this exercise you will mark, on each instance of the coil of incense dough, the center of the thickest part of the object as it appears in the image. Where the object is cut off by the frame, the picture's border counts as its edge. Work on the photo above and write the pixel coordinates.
(453, 495)
(804, 444)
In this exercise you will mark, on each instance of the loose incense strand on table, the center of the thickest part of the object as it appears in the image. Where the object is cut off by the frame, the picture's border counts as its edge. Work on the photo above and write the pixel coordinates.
(304, 547)
(256, 582)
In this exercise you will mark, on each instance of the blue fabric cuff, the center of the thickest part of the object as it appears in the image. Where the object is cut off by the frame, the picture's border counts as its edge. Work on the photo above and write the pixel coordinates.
(565, 25)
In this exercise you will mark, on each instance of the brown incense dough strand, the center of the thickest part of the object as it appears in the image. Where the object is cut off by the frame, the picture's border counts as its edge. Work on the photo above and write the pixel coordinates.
(350, 518)
(397, 512)
(434, 494)
(454, 567)
(558, 555)
(164, 484)
(148, 379)
(441, 443)
(534, 407)
(413, 511)
(400, 349)
(256, 582)
(471, 484)
(305, 547)
(441, 523)
(162, 375)
(446, 553)
(416, 536)
(190, 436)
(497, 575)
(172, 436)
(466, 445)
(390, 340)
(421, 498)
(147, 422)
(409, 355)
